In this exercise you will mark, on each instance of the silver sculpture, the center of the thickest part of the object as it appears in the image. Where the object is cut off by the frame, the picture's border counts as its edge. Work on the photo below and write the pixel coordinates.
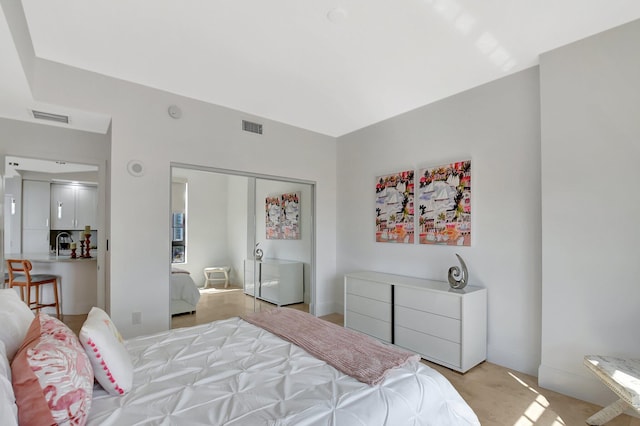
(458, 278)
(258, 253)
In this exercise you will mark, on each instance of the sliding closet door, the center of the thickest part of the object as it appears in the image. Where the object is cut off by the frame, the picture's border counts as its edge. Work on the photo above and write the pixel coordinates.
(284, 237)
(226, 218)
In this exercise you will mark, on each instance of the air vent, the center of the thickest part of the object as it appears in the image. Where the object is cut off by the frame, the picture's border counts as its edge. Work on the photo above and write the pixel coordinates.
(248, 126)
(40, 115)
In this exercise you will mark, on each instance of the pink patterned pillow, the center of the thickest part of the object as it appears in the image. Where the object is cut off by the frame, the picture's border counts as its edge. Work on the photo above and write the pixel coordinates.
(51, 374)
(103, 343)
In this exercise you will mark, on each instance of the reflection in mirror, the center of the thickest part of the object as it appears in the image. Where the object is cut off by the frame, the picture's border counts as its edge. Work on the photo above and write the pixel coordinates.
(225, 220)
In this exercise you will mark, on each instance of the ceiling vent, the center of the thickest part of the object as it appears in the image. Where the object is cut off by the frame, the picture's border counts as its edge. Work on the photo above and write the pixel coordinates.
(40, 115)
(248, 126)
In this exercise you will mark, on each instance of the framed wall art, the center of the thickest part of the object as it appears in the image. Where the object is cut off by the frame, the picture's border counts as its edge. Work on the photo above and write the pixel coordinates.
(272, 216)
(394, 208)
(282, 215)
(290, 216)
(444, 204)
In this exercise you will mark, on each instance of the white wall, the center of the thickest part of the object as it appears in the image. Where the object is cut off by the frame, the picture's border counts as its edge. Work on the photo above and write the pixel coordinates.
(590, 93)
(23, 139)
(497, 127)
(206, 135)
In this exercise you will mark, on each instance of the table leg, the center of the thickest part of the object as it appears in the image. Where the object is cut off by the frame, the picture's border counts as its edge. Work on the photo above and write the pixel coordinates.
(608, 413)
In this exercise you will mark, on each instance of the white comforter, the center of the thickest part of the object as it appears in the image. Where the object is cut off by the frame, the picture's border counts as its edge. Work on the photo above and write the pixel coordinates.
(231, 372)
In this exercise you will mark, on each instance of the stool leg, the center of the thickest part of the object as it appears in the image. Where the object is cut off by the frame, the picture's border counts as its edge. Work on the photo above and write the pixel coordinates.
(38, 302)
(28, 296)
(55, 297)
(226, 278)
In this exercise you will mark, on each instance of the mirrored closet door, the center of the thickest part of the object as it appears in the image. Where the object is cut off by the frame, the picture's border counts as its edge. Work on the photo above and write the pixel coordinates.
(244, 242)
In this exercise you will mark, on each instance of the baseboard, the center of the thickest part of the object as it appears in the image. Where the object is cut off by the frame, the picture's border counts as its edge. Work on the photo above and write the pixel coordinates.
(586, 388)
(327, 308)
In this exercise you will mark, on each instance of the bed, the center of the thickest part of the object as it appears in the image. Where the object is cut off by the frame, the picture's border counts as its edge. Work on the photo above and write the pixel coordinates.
(184, 293)
(234, 372)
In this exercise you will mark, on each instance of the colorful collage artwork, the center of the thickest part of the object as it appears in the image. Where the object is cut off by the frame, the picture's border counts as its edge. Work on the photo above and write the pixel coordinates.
(444, 203)
(443, 200)
(282, 214)
(394, 208)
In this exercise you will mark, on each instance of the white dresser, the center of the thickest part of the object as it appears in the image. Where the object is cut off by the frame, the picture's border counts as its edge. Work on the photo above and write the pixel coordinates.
(277, 281)
(443, 325)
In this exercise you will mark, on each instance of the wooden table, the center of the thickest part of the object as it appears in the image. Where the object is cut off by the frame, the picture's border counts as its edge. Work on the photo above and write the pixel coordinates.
(622, 376)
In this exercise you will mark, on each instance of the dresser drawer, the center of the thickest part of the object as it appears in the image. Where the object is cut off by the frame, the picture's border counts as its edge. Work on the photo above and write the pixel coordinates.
(439, 303)
(430, 347)
(370, 289)
(369, 307)
(367, 325)
(427, 323)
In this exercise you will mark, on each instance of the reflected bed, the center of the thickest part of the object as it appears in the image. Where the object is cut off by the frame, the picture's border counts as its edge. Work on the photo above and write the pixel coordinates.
(184, 293)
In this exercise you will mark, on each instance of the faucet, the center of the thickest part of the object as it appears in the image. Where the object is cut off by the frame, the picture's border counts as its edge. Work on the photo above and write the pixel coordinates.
(61, 234)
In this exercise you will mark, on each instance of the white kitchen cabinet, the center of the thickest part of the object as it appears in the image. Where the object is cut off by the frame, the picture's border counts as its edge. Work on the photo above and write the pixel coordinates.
(35, 204)
(87, 207)
(277, 281)
(73, 206)
(443, 325)
(35, 241)
(35, 216)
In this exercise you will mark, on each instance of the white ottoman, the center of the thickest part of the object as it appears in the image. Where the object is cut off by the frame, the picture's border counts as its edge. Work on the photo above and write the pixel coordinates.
(216, 273)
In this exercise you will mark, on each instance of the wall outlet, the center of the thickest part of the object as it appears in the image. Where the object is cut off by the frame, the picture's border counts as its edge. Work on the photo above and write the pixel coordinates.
(136, 318)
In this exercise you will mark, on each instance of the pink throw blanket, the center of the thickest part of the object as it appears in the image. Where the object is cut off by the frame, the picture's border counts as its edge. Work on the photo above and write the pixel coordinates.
(355, 354)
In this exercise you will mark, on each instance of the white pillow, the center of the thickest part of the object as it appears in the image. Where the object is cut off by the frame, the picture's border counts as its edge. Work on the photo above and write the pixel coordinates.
(103, 344)
(8, 406)
(15, 317)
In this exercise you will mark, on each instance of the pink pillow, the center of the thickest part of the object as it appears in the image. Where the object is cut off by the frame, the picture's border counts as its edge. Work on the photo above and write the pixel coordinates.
(51, 374)
(103, 343)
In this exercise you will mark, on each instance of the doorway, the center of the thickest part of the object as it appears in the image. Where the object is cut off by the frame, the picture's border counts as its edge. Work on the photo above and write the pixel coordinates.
(219, 218)
(49, 207)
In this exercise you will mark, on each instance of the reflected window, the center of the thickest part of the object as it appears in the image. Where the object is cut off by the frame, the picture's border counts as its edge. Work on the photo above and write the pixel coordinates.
(179, 221)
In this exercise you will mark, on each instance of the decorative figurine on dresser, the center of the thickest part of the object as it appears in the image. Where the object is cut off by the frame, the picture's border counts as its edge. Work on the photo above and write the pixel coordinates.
(458, 277)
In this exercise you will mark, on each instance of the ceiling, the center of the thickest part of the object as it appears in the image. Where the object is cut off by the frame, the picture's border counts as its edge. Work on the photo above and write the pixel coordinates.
(330, 66)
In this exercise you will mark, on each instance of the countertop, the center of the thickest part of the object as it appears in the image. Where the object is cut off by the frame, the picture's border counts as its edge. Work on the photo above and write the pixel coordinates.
(48, 257)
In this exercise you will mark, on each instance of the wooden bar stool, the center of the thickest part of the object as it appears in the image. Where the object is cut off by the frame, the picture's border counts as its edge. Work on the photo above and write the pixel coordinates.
(20, 276)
